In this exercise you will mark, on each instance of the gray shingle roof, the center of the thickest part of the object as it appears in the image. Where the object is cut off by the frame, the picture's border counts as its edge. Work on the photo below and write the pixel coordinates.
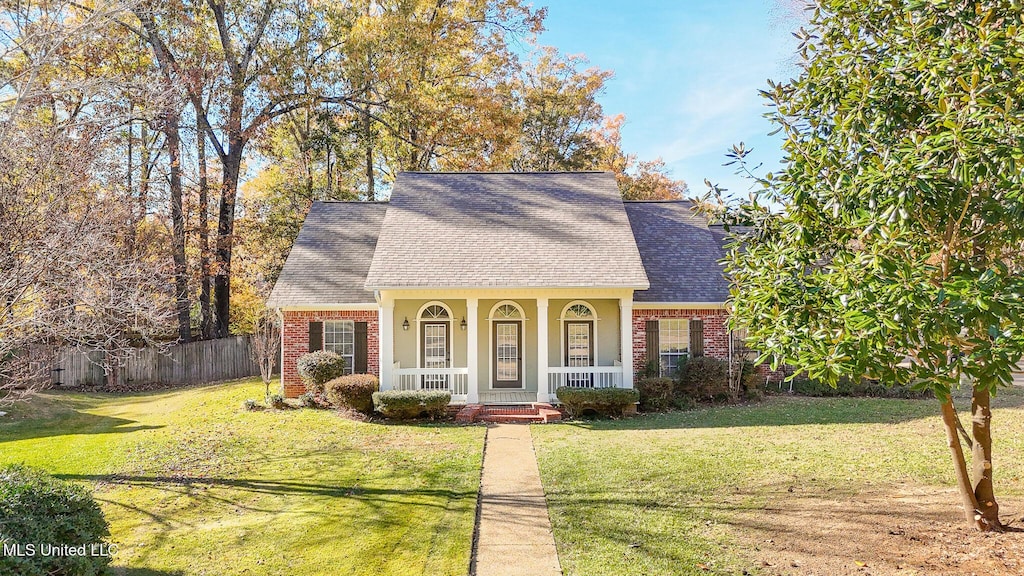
(469, 230)
(679, 251)
(328, 263)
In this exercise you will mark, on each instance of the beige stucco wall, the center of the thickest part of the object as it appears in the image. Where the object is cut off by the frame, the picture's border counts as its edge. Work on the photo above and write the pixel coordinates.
(606, 330)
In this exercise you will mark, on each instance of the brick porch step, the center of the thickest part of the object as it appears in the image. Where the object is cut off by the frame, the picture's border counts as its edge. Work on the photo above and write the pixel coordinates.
(520, 413)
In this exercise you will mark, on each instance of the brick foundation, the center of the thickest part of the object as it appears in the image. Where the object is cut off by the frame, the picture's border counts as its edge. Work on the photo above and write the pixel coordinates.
(716, 335)
(296, 341)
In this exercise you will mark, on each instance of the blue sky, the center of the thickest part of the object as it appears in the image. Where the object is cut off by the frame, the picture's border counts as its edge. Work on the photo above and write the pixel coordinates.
(686, 75)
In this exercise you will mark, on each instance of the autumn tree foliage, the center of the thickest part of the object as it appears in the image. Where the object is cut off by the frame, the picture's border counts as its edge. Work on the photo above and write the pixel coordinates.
(78, 266)
(890, 244)
(214, 124)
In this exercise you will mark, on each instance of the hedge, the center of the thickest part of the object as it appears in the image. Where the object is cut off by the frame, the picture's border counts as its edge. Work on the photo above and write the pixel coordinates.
(656, 394)
(604, 401)
(36, 509)
(318, 368)
(354, 391)
(409, 404)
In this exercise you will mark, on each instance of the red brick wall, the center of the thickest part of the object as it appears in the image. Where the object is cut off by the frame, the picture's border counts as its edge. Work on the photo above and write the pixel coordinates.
(296, 341)
(716, 335)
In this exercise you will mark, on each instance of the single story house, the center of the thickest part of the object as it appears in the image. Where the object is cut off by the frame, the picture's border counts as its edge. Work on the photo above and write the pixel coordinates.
(501, 287)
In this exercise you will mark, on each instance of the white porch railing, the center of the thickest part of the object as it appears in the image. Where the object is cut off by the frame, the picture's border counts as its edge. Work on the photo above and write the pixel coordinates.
(453, 380)
(584, 377)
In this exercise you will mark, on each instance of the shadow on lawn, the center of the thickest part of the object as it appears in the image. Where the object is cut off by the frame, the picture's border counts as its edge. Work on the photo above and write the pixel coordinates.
(275, 487)
(796, 411)
(72, 422)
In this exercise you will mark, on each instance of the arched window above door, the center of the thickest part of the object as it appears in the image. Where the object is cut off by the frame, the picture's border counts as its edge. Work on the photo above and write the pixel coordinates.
(435, 312)
(578, 310)
(506, 311)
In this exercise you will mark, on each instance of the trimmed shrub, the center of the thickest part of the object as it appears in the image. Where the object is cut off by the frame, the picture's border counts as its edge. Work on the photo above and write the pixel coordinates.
(276, 401)
(251, 405)
(354, 391)
(37, 508)
(307, 400)
(409, 404)
(319, 368)
(656, 394)
(605, 401)
(705, 378)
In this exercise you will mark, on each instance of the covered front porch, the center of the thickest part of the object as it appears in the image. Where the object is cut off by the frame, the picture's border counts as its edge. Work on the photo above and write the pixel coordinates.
(505, 346)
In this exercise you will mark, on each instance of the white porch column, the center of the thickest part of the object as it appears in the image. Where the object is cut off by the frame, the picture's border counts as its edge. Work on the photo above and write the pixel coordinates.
(472, 351)
(542, 351)
(386, 341)
(626, 334)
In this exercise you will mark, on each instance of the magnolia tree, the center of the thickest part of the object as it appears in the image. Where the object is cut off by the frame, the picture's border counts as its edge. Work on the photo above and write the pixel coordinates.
(890, 244)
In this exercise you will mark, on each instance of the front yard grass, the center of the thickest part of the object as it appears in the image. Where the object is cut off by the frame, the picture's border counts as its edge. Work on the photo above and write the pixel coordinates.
(699, 492)
(191, 484)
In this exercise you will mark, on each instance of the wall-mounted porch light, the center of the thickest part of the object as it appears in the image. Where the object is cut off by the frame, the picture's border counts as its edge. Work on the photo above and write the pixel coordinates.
(405, 323)
(463, 323)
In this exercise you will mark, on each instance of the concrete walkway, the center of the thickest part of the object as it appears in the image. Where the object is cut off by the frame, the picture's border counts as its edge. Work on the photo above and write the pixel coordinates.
(514, 532)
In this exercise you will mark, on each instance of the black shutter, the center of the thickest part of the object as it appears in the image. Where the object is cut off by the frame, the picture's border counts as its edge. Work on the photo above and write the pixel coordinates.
(653, 346)
(696, 338)
(316, 336)
(359, 366)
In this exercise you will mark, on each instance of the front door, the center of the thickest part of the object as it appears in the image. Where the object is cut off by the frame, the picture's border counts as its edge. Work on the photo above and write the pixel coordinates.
(507, 360)
(435, 353)
(579, 352)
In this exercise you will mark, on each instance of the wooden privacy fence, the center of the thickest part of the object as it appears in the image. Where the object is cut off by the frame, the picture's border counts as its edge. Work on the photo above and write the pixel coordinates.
(191, 363)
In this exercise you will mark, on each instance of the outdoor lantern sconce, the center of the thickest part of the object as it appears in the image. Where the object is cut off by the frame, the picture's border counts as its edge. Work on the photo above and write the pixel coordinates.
(463, 323)
(405, 324)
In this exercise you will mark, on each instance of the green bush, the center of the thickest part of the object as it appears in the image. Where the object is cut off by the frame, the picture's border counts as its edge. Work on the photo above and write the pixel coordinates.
(409, 404)
(35, 509)
(251, 405)
(318, 368)
(276, 401)
(605, 401)
(705, 378)
(656, 394)
(354, 391)
(307, 400)
(650, 369)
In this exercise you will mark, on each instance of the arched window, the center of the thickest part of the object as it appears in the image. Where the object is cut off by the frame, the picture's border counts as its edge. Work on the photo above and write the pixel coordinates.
(578, 311)
(435, 312)
(507, 311)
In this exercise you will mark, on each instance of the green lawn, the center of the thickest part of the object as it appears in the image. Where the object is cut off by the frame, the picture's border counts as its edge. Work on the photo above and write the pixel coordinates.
(660, 494)
(191, 484)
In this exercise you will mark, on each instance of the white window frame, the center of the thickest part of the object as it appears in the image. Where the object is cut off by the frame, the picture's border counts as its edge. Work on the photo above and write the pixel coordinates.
(338, 347)
(663, 364)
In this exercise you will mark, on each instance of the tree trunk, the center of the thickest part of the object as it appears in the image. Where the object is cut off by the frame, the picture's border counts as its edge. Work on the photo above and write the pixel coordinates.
(981, 459)
(206, 323)
(963, 479)
(173, 139)
(225, 241)
(371, 193)
(113, 370)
